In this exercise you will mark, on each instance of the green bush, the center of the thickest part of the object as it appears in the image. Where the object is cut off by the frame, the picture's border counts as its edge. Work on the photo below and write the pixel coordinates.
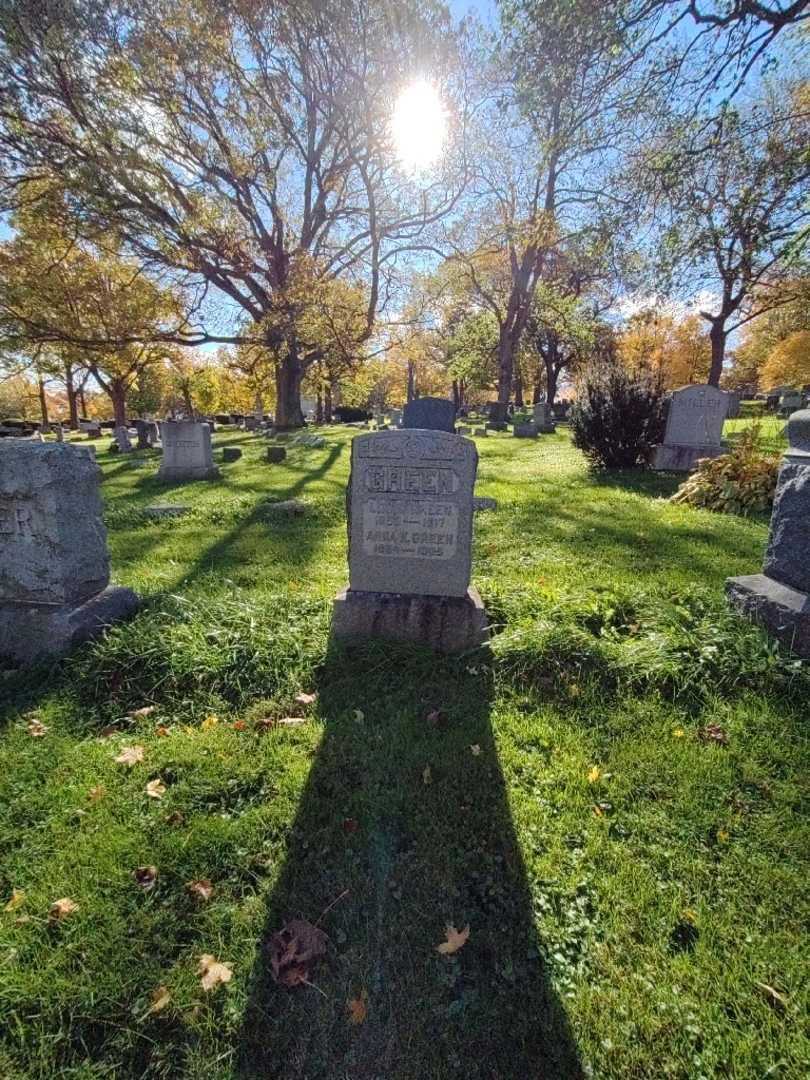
(750, 410)
(740, 482)
(618, 416)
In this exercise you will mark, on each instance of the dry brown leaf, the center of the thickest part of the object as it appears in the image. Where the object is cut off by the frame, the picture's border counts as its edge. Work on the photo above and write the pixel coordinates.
(162, 731)
(96, 793)
(292, 720)
(456, 939)
(772, 996)
(60, 909)
(145, 876)
(306, 699)
(213, 972)
(160, 999)
(239, 725)
(16, 901)
(145, 710)
(427, 775)
(293, 951)
(108, 731)
(202, 888)
(130, 755)
(36, 729)
(714, 733)
(358, 1008)
(177, 817)
(156, 789)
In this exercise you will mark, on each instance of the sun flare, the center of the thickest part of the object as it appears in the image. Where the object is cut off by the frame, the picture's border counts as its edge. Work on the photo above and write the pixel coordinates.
(418, 126)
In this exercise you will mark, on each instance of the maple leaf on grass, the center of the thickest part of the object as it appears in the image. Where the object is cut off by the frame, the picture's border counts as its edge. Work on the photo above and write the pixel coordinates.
(156, 789)
(160, 998)
(293, 951)
(456, 939)
(36, 729)
(61, 909)
(96, 793)
(130, 755)
(201, 889)
(714, 733)
(212, 972)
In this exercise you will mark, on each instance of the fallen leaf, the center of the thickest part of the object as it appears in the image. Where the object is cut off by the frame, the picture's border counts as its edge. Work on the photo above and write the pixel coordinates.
(145, 876)
(678, 733)
(350, 824)
(108, 731)
(722, 836)
(475, 749)
(16, 901)
(306, 699)
(130, 755)
(239, 725)
(177, 817)
(772, 996)
(162, 731)
(293, 951)
(455, 940)
(202, 888)
(36, 729)
(427, 775)
(156, 789)
(60, 909)
(290, 721)
(593, 774)
(357, 1009)
(160, 999)
(209, 722)
(265, 724)
(359, 715)
(714, 733)
(96, 793)
(436, 718)
(145, 710)
(213, 972)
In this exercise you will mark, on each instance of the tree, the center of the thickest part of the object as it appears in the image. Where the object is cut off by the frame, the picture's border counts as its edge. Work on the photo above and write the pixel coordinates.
(737, 203)
(242, 148)
(763, 334)
(788, 363)
(676, 349)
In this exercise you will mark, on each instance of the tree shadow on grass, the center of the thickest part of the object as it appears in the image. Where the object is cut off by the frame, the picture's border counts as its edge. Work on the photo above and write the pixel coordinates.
(405, 826)
(657, 485)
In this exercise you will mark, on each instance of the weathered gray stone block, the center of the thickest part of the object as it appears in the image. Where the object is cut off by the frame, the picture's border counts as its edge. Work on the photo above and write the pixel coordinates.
(276, 454)
(447, 624)
(694, 427)
(787, 558)
(187, 453)
(782, 610)
(430, 413)
(524, 431)
(483, 502)
(231, 453)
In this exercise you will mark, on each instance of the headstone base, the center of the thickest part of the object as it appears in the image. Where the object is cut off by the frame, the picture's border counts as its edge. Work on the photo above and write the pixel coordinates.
(671, 458)
(31, 632)
(447, 624)
(783, 611)
(170, 475)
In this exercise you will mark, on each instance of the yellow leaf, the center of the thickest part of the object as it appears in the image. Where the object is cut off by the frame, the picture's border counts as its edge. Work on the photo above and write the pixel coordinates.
(679, 733)
(17, 900)
(96, 793)
(130, 755)
(357, 1009)
(156, 789)
(209, 722)
(594, 774)
(455, 940)
(212, 972)
(722, 836)
(36, 729)
(60, 909)
(160, 999)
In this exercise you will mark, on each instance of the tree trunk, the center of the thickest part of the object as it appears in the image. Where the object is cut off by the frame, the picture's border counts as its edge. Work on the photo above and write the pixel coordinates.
(118, 396)
(456, 395)
(717, 336)
(519, 390)
(187, 402)
(289, 376)
(319, 407)
(70, 389)
(411, 394)
(327, 403)
(505, 364)
(82, 401)
(43, 405)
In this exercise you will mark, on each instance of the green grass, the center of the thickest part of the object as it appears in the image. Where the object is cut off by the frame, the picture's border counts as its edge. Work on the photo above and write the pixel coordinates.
(632, 885)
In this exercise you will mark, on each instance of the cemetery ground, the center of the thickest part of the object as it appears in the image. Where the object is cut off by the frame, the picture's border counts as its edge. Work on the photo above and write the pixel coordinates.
(609, 798)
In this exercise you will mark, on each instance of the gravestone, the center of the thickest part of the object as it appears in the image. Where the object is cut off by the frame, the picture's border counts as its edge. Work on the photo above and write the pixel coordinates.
(779, 597)
(396, 418)
(430, 413)
(480, 432)
(142, 430)
(152, 432)
(524, 431)
(543, 419)
(790, 403)
(231, 453)
(497, 412)
(122, 440)
(59, 432)
(462, 430)
(733, 404)
(276, 454)
(694, 427)
(55, 569)
(252, 423)
(187, 453)
(410, 510)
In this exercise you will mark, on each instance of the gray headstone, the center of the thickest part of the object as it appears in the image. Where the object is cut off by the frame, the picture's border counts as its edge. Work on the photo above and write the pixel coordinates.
(276, 454)
(231, 453)
(430, 413)
(142, 429)
(187, 453)
(55, 568)
(694, 428)
(410, 512)
(525, 431)
(543, 419)
(121, 436)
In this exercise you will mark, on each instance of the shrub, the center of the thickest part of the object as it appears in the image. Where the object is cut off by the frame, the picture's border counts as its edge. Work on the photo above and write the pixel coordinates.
(740, 482)
(347, 414)
(618, 416)
(750, 410)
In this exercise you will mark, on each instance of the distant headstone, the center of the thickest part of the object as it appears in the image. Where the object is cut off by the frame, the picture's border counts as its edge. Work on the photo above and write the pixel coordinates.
(59, 432)
(525, 431)
(276, 454)
(143, 435)
(187, 453)
(694, 427)
(497, 411)
(410, 541)
(396, 418)
(790, 403)
(483, 502)
(166, 510)
(779, 597)
(252, 423)
(544, 421)
(733, 403)
(231, 453)
(462, 430)
(55, 569)
(480, 432)
(430, 413)
(121, 436)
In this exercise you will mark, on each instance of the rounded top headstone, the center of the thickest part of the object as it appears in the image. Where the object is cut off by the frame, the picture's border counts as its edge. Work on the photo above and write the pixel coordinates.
(798, 431)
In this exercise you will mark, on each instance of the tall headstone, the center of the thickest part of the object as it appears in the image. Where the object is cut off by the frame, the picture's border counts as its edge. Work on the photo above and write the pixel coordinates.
(410, 541)
(187, 453)
(543, 419)
(694, 428)
(779, 597)
(430, 414)
(55, 569)
(121, 436)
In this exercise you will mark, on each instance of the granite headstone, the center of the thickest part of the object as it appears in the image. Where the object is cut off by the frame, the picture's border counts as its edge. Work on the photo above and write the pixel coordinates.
(430, 413)
(187, 453)
(694, 428)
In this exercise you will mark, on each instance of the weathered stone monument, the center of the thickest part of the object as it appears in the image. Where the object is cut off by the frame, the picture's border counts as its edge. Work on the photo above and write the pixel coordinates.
(526, 430)
(142, 431)
(430, 413)
(779, 598)
(544, 421)
(55, 569)
(790, 402)
(694, 428)
(410, 510)
(187, 453)
(497, 412)
(122, 440)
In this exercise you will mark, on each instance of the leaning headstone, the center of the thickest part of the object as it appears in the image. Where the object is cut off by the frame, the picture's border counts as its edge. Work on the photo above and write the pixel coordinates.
(525, 431)
(779, 598)
(231, 453)
(276, 454)
(543, 419)
(55, 568)
(410, 542)
(187, 453)
(430, 413)
(694, 427)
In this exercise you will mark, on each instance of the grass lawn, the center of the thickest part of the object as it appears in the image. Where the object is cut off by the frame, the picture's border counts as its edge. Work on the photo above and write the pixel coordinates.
(612, 798)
